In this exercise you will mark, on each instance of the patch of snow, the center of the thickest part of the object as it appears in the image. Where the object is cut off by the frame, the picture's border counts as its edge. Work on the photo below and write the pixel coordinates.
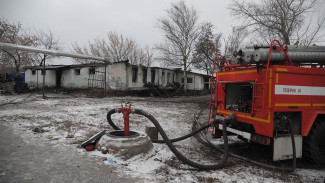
(83, 117)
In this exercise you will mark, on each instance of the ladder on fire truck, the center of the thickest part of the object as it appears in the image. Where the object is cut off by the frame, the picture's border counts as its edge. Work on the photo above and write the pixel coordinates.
(263, 85)
(257, 97)
(214, 93)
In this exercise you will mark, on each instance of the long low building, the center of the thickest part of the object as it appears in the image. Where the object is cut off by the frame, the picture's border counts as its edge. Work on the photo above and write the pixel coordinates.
(118, 76)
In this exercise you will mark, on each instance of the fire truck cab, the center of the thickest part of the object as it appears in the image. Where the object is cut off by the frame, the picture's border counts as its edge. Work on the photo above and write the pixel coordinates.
(269, 88)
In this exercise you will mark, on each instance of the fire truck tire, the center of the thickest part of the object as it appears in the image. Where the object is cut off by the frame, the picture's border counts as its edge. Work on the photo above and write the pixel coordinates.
(314, 144)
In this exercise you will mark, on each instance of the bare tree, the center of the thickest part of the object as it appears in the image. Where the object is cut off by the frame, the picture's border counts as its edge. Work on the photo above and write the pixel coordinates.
(235, 40)
(115, 47)
(13, 33)
(141, 56)
(48, 41)
(180, 28)
(286, 20)
(83, 50)
(136, 56)
(206, 47)
(148, 58)
(119, 47)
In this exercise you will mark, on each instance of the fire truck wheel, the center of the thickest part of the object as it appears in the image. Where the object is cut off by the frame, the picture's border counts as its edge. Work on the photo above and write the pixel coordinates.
(315, 143)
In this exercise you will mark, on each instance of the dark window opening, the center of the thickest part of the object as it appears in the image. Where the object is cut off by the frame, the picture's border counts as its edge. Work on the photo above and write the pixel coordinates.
(33, 72)
(239, 97)
(144, 75)
(189, 80)
(77, 71)
(58, 78)
(206, 83)
(168, 76)
(163, 77)
(134, 74)
(153, 75)
(43, 72)
(91, 70)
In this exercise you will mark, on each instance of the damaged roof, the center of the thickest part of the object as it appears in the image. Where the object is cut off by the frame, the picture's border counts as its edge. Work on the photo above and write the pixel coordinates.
(61, 67)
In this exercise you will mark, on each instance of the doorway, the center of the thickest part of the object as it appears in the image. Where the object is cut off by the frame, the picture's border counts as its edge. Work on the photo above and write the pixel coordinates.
(58, 78)
(206, 83)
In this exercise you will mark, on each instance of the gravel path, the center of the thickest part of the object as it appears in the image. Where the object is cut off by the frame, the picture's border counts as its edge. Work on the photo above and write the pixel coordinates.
(33, 160)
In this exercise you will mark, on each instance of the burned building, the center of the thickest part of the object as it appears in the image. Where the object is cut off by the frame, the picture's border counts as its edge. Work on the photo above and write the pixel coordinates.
(117, 76)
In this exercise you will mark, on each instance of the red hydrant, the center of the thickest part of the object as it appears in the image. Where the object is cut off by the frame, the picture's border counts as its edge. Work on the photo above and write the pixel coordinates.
(126, 110)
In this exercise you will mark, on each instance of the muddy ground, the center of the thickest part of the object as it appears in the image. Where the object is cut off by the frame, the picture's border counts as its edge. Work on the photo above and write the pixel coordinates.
(50, 154)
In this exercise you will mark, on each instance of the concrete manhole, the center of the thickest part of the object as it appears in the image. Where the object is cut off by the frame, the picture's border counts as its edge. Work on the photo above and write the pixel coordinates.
(126, 147)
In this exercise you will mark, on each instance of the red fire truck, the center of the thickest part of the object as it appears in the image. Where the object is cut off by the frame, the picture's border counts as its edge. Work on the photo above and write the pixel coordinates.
(269, 87)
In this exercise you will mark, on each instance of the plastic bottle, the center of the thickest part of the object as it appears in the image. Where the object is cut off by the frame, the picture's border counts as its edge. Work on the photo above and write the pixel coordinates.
(110, 161)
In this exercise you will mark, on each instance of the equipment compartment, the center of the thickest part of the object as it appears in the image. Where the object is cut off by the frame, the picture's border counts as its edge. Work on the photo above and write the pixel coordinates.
(239, 97)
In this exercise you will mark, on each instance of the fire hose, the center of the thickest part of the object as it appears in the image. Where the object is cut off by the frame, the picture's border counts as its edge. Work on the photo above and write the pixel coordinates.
(169, 142)
(292, 169)
(225, 150)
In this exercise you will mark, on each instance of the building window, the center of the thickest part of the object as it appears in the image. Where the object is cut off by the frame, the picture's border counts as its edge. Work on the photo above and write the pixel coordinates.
(189, 80)
(168, 76)
(77, 71)
(153, 75)
(163, 77)
(43, 72)
(144, 75)
(182, 80)
(134, 74)
(33, 72)
(91, 70)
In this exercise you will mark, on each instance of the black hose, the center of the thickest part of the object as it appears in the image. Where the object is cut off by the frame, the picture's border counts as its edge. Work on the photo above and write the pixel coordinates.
(206, 126)
(292, 169)
(109, 119)
(255, 162)
(170, 141)
(188, 135)
(179, 155)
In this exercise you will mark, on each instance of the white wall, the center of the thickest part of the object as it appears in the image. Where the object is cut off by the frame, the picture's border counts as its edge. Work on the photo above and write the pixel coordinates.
(139, 79)
(125, 76)
(163, 79)
(70, 80)
(37, 79)
(197, 81)
(118, 76)
(156, 75)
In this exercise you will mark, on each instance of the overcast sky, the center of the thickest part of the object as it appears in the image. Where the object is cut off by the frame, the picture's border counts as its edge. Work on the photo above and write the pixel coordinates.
(84, 20)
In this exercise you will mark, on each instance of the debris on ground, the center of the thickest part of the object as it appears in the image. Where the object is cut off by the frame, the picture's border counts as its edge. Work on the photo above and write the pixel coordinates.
(38, 130)
(158, 90)
(11, 86)
(84, 117)
(7, 87)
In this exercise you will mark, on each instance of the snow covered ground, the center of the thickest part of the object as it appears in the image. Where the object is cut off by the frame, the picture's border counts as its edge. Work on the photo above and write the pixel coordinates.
(69, 120)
